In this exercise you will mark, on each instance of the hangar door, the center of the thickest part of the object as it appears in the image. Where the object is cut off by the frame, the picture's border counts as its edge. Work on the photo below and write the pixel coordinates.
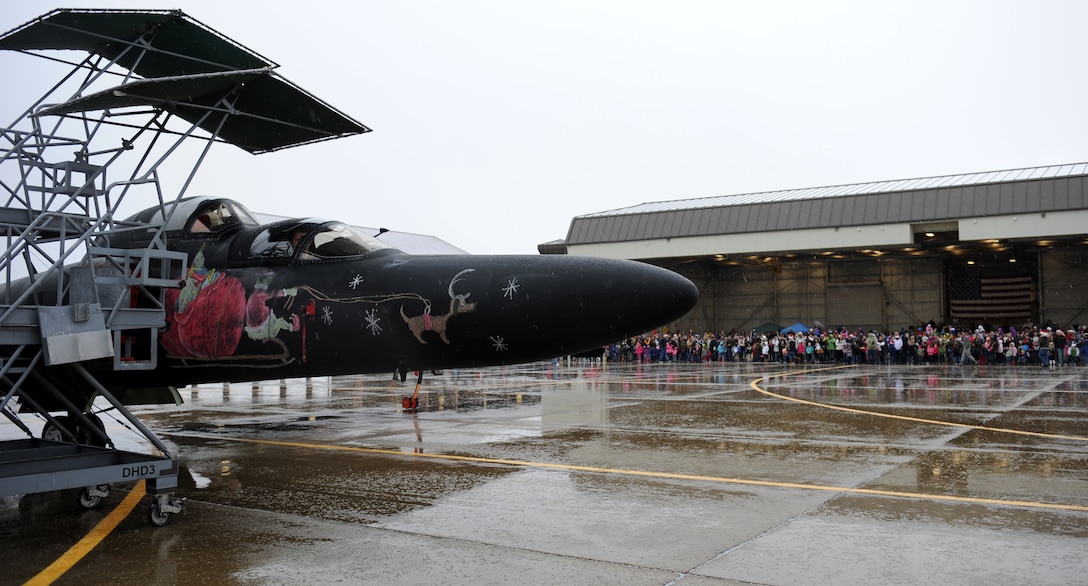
(855, 297)
(854, 307)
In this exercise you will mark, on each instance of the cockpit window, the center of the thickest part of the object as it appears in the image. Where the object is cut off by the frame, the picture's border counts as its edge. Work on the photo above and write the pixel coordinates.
(306, 239)
(220, 215)
(280, 240)
(336, 240)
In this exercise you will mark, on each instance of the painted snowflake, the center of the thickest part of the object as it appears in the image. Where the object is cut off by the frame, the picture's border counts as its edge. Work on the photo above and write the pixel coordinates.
(373, 322)
(498, 343)
(511, 288)
(326, 315)
(356, 281)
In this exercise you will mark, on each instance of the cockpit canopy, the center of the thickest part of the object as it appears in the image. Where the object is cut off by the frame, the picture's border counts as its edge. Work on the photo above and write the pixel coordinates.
(312, 240)
(219, 214)
(229, 235)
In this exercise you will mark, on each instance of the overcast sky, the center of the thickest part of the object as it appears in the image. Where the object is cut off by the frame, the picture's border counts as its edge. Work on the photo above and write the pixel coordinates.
(496, 122)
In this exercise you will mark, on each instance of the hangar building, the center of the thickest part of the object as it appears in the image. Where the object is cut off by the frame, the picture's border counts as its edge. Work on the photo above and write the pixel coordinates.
(997, 248)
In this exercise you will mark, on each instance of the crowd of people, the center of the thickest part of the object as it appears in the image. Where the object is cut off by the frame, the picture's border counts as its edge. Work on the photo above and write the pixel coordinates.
(1048, 346)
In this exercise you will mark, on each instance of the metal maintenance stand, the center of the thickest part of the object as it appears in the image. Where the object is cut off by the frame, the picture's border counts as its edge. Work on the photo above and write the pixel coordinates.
(76, 314)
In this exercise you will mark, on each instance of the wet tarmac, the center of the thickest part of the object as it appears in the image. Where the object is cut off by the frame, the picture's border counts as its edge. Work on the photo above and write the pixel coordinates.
(659, 474)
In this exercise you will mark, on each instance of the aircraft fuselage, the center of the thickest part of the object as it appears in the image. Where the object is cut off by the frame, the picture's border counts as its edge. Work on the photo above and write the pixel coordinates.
(313, 298)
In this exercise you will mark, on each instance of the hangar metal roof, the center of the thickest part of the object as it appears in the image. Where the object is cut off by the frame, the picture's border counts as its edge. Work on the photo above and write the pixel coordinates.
(928, 199)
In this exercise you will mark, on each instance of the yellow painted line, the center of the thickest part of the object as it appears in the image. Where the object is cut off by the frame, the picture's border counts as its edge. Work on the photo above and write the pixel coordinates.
(89, 541)
(756, 387)
(664, 475)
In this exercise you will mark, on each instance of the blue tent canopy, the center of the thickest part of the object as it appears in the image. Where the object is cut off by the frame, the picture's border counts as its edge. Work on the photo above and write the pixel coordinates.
(797, 328)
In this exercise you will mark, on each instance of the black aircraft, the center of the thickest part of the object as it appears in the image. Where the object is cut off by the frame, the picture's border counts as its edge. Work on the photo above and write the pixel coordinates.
(310, 297)
(196, 290)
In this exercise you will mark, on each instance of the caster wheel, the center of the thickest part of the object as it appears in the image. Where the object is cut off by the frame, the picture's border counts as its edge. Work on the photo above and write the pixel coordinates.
(157, 517)
(90, 501)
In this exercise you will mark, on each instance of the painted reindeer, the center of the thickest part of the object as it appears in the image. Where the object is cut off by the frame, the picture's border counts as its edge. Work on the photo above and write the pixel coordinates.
(437, 323)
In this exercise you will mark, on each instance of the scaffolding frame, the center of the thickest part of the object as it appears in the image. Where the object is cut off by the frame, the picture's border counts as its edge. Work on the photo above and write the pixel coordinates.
(72, 305)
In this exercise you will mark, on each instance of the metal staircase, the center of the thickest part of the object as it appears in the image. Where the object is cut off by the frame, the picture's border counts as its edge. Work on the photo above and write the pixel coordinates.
(88, 153)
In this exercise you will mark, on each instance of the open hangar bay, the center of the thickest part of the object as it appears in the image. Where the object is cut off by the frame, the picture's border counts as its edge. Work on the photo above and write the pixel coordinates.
(881, 255)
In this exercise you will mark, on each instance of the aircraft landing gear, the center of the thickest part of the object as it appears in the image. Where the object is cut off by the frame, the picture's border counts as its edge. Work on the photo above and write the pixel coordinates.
(163, 508)
(77, 429)
(412, 403)
(53, 432)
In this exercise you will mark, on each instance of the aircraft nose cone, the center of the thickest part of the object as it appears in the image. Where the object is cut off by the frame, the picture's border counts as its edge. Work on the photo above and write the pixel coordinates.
(596, 301)
(648, 296)
(679, 292)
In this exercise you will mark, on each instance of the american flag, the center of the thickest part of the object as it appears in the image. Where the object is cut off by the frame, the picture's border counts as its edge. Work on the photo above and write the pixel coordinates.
(998, 297)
